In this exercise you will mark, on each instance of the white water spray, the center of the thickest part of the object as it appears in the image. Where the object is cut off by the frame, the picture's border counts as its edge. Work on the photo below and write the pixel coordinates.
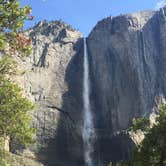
(88, 131)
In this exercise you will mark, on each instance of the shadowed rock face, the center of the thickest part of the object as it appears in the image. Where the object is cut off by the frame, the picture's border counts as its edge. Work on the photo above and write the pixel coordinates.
(53, 78)
(127, 56)
(127, 63)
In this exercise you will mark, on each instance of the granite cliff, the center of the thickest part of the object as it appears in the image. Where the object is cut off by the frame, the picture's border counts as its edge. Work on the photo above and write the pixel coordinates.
(53, 81)
(127, 56)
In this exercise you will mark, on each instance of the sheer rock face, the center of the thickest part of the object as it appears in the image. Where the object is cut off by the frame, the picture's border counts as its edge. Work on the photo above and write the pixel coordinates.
(53, 78)
(128, 71)
(127, 56)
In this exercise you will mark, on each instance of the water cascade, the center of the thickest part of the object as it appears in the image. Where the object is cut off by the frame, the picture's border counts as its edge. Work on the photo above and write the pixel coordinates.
(88, 131)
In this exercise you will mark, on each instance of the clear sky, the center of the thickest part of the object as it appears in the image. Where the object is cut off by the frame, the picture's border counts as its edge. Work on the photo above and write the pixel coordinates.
(84, 14)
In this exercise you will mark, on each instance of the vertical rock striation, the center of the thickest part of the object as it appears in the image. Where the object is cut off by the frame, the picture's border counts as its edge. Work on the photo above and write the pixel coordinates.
(127, 56)
(128, 71)
(53, 81)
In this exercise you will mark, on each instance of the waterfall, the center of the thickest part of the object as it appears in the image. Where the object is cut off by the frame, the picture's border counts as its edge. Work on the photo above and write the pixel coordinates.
(163, 12)
(88, 131)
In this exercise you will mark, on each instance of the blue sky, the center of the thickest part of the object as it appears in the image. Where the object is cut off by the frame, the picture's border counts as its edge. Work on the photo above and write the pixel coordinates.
(84, 14)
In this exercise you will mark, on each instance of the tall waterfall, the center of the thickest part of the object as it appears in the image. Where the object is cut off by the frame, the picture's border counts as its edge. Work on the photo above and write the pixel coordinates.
(88, 131)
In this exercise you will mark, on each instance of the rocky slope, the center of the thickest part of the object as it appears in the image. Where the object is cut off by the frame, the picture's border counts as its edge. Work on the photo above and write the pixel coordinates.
(127, 56)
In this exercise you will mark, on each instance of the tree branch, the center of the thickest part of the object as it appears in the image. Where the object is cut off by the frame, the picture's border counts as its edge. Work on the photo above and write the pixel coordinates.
(62, 111)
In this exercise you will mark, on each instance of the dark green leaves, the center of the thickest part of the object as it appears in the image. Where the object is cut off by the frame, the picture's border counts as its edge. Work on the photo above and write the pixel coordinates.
(15, 117)
(12, 18)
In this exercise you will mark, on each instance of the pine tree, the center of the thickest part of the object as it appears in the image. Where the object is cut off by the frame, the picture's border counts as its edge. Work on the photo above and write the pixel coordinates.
(15, 109)
(152, 150)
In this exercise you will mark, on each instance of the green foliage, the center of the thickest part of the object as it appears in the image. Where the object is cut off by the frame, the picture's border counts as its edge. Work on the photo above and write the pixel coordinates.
(12, 15)
(140, 124)
(12, 18)
(15, 110)
(3, 44)
(7, 66)
(15, 113)
(152, 150)
(2, 162)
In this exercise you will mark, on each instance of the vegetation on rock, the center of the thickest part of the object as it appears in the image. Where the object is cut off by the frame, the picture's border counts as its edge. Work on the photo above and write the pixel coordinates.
(152, 150)
(15, 117)
(14, 110)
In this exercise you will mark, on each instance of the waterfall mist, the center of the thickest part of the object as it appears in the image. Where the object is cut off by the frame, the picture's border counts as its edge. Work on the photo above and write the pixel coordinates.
(88, 131)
